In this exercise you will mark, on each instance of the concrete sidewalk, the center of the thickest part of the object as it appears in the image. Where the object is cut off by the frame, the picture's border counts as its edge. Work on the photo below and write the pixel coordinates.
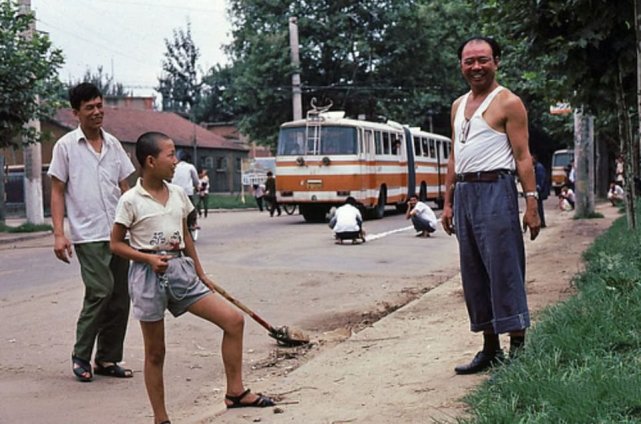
(9, 238)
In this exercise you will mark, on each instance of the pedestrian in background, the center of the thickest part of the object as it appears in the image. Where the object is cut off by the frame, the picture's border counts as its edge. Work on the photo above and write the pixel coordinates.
(422, 216)
(88, 174)
(270, 194)
(186, 177)
(167, 274)
(259, 193)
(542, 187)
(616, 195)
(490, 136)
(203, 192)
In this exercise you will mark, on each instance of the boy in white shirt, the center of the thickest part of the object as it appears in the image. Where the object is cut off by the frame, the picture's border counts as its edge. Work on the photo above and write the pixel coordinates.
(165, 272)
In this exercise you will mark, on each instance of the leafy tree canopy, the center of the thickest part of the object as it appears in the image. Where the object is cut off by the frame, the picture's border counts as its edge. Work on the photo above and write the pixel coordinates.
(179, 85)
(395, 58)
(28, 71)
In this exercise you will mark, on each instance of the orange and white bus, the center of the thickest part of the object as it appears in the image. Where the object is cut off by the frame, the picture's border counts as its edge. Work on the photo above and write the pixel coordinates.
(325, 158)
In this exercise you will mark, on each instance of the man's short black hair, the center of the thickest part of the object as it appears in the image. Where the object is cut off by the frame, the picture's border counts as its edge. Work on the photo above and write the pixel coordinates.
(148, 144)
(496, 49)
(270, 173)
(83, 92)
(350, 201)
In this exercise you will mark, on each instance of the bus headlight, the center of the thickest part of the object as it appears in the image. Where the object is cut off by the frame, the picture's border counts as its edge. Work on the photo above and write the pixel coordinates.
(326, 161)
(300, 161)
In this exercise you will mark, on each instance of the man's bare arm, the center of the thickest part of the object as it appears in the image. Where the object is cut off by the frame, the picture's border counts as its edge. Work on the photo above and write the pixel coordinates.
(61, 245)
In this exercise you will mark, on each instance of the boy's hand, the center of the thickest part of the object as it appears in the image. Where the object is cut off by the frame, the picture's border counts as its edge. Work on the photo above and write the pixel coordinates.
(158, 263)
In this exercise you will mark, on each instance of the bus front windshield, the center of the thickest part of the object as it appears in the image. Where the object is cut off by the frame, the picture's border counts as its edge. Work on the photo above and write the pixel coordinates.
(333, 141)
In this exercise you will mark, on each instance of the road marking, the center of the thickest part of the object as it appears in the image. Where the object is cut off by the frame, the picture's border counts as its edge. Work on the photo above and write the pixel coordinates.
(387, 233)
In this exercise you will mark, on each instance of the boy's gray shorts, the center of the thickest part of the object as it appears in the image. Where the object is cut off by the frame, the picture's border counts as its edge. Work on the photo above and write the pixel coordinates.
(176, 290)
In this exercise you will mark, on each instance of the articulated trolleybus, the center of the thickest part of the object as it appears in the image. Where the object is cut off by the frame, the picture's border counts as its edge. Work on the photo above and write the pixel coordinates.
(325, 158)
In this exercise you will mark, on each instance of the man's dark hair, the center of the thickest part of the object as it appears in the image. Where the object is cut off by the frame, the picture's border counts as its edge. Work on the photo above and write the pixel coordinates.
(414, 195)
(496, 49)
(148, 144)
(83, 92)
(350, 201)
(270, 173)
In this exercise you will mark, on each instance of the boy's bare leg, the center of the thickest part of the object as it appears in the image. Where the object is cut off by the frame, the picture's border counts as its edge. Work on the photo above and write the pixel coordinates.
(215, 309)
(153, 334)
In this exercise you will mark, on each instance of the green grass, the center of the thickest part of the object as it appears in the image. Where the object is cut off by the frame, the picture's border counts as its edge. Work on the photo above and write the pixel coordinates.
(230, 201)
(583, 356)
(25, 228)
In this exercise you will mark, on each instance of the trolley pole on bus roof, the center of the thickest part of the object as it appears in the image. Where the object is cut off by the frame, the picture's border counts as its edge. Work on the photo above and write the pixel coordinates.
(297, 103)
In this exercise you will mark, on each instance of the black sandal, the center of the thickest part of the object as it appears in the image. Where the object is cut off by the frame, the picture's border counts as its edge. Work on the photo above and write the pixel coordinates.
(114, 370)
(80, 367)
(260, 402)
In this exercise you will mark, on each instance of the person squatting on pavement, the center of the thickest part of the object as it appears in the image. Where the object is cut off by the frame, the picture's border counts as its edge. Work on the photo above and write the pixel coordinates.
(165, 273)
(490, 132)
(422, 216)
(347, 222)
(84, 155)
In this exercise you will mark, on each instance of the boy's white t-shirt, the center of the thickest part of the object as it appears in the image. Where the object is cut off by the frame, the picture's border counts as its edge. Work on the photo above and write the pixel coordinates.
(151, 225)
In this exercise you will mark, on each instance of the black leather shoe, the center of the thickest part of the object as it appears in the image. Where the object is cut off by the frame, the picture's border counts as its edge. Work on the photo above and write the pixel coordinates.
(481, 362)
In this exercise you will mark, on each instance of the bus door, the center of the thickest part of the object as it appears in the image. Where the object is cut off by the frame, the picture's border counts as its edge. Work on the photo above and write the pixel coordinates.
(366, 160)
(411, 168)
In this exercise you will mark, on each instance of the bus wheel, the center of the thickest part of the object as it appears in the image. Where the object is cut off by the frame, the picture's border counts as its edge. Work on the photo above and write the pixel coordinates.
(313, 213)
(379, 209)
(289, 209)
(440, 202)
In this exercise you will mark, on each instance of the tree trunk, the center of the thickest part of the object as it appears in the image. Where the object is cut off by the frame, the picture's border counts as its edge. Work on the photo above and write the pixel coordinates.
(627, 150)
(584, 163)
(3, 198)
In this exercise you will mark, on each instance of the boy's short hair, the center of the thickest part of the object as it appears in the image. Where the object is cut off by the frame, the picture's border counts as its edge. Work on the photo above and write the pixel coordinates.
(83, 92)
(148, 144)
(350, 201)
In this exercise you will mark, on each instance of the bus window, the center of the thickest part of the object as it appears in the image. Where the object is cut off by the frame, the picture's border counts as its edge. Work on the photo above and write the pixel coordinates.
(338, 141)
(424, 145)
(446, 149)
(368, 139)
(396, 144)
(386, 146)
(417, 146)
(291, 141)
(379, 143)
(438, 149)
(432, 149)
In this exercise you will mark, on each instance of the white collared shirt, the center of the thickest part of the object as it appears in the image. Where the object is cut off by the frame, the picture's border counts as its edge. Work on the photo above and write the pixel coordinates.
(91, 180)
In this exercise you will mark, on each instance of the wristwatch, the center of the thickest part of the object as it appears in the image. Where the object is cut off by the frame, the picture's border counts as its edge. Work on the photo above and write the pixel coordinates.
(534, 194)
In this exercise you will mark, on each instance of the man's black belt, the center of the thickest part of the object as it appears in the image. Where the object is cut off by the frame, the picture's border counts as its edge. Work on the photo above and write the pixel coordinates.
(483, 176)
(176, 253)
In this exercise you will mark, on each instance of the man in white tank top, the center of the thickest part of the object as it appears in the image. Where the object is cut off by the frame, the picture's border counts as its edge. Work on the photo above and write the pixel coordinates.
(490, 134)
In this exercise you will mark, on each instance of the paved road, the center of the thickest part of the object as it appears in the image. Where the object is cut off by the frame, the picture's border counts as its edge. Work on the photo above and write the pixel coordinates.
(288, 271)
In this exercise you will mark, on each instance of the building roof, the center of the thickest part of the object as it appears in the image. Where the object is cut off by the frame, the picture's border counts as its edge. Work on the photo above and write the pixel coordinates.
(128, 124)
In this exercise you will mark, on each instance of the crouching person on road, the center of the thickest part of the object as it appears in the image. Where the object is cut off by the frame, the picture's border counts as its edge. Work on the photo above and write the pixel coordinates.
(347, 222)
(165, 272)
(422, 216)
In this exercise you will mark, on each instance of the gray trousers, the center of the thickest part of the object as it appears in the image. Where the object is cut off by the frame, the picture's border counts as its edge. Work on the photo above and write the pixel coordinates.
(492, 254)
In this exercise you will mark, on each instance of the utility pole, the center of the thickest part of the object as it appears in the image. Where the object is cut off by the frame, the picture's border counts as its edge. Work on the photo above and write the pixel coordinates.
(297, 103)
(32, 155)
(584, 163)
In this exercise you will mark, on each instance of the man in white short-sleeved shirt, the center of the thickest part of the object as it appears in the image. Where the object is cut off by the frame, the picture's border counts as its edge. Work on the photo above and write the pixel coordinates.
(422, 216)
(88, 174)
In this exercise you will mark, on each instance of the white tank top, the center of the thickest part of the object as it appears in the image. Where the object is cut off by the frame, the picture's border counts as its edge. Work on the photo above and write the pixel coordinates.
(477, 146)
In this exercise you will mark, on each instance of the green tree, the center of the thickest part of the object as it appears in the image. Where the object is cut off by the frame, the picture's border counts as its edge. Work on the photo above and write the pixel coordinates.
(217, 96)
(179, 85)
(104, 82)
(28, 71)
(395, 58)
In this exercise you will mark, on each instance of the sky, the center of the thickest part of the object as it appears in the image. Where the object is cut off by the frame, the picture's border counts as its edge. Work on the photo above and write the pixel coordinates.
(127, 37)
